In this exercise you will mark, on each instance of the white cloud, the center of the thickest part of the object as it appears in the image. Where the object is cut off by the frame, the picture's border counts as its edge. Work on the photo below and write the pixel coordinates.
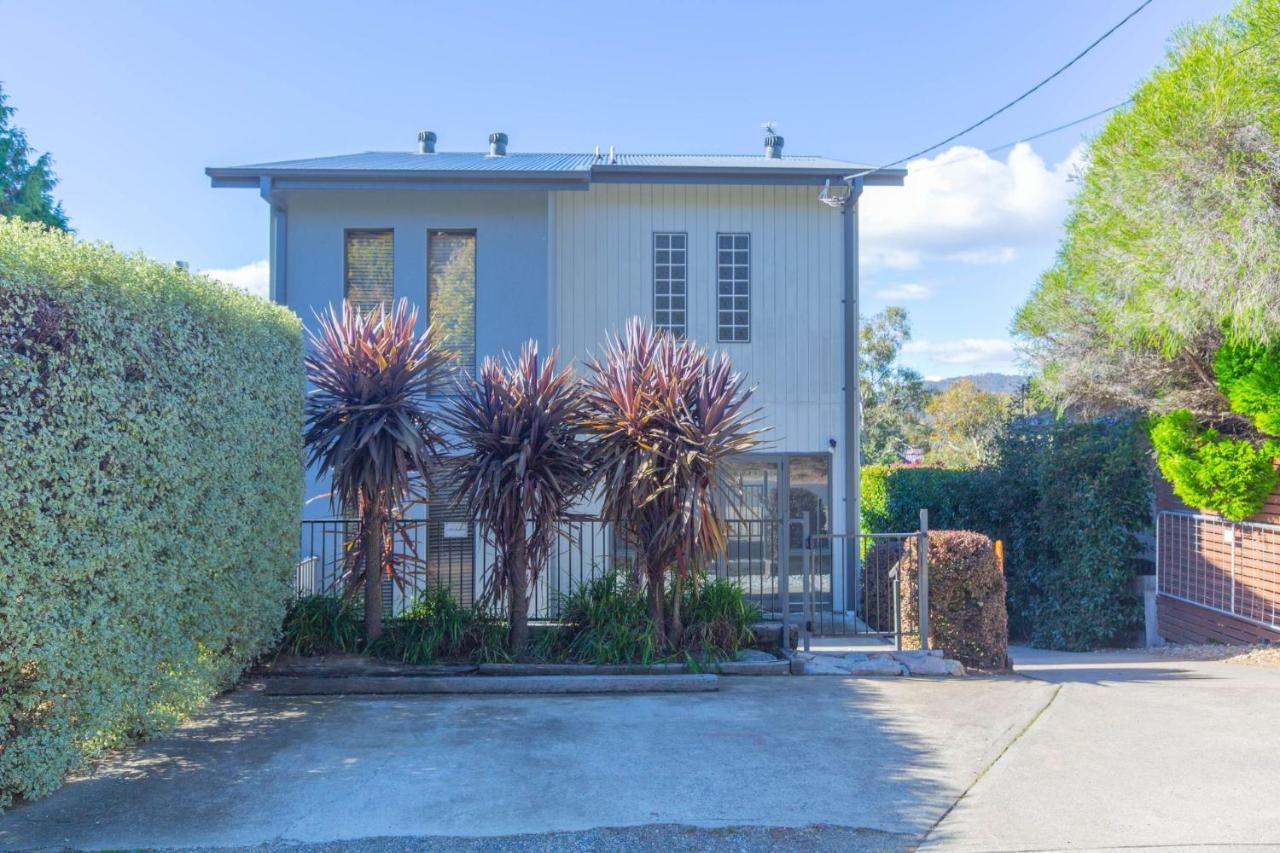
(254, 278)
(905, 291)
(964, 205)
(972, 353)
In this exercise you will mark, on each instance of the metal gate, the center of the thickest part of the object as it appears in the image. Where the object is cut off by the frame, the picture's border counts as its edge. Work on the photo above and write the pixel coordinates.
(851, 585)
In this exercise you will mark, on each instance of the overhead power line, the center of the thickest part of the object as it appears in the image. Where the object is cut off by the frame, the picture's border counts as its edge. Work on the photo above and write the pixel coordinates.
(996, 148)
(1099, 40)
(1068, 125)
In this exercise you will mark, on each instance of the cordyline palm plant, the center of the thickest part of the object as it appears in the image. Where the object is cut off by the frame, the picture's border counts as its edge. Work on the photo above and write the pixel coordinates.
(369, 428)
(666, 416)
(523, 466)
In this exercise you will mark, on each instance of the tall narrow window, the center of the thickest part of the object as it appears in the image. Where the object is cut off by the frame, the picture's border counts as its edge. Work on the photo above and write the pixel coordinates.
(670, 286)
(368, 269)
(451, 298)
(733, 287)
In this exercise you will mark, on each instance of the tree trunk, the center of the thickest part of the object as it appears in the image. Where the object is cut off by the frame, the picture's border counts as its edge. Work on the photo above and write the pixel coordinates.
(655, 607)
(373, 536)
(677, 618)
(518, 595)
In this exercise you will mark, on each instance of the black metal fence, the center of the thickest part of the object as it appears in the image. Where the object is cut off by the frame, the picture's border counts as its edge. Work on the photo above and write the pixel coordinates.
(444, 553)
(448, 553)
(816, 584)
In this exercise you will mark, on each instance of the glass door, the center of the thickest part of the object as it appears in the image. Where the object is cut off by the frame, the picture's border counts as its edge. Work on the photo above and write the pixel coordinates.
(753, 527)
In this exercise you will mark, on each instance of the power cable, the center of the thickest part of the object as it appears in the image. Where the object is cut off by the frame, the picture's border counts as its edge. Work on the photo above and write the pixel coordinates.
(1012, 103)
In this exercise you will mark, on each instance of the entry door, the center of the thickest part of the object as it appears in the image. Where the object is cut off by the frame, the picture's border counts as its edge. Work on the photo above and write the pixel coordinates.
(754, 531)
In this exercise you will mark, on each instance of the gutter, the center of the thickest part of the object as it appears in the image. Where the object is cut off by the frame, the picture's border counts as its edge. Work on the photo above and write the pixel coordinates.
(248, 178)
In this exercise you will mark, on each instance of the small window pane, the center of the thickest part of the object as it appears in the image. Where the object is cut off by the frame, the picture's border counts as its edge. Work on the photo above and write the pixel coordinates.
(733, 278)
(669, 284)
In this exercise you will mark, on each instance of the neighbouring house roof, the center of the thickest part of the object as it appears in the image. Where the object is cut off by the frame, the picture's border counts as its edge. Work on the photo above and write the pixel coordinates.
(547, 171)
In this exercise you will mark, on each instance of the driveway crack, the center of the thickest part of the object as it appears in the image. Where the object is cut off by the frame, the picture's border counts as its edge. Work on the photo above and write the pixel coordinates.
(983, 772)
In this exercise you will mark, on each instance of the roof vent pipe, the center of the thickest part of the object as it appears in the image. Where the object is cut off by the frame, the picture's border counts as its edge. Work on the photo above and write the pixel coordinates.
(427, 142)
(497, 144)
(773, 146)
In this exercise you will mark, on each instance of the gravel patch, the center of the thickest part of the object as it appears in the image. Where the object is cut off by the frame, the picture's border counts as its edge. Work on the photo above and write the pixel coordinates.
(657, 837)
(1260, 655)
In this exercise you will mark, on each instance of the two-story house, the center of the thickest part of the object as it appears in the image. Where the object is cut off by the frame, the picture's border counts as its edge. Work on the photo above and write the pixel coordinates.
(755, 255)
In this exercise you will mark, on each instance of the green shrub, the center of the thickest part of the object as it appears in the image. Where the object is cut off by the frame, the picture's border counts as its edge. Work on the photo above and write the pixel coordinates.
(1068, 498)
(150, 438)
(1212, 471)
(437, 626)
(892, 497)
(967, 619)
(321, 625)
(1249, 376)
(719, 619)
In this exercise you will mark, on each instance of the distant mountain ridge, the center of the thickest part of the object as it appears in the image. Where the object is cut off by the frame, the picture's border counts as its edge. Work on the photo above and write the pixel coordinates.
(992, 383)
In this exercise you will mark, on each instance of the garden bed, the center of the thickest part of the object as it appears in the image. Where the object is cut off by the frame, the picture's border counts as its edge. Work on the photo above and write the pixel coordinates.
(285, 674)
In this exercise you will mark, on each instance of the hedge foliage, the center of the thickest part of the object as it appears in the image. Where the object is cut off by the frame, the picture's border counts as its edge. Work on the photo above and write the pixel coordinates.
(892, 497)
(1069, 498)
(150, 435)
(1229, 474)
(967, 618)
(1209, 470)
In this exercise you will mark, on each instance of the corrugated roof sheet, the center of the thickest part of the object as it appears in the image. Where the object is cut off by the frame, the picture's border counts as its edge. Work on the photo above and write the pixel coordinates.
(734, 161)
(407, 161)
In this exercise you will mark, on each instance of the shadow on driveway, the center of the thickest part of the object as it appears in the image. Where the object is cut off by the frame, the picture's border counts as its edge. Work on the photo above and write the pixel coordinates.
(887, 756)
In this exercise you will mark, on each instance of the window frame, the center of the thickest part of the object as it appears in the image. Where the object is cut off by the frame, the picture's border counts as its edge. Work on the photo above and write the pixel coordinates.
(733, 295)
(683, 333)
(346, 266)
(474, 370)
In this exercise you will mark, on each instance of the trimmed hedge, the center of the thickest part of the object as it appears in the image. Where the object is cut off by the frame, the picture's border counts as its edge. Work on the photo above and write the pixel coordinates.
(150, 435)
(892, 497)
(967, 617)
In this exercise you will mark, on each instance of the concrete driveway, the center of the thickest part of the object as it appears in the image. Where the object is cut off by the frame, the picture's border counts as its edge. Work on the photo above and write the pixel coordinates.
(1137, 751)
(1092, 751)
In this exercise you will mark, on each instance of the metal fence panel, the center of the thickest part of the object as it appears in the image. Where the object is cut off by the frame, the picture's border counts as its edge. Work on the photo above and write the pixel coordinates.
(1229, 566)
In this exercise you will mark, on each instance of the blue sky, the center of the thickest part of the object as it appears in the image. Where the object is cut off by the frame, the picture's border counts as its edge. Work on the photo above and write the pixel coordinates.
(135, 100)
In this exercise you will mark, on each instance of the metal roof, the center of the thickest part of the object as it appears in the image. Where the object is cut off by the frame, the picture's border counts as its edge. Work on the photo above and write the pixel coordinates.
(449, 161)
(543, 169)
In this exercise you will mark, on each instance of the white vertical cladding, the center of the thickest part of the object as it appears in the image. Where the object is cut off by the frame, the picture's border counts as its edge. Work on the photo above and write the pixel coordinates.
(602, 274)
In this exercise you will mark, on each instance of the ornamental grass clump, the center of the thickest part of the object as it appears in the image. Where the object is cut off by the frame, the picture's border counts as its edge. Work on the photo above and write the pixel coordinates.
(606, 622)
(523, 466)
(720, 621)
(369, 428)
(665, 417)
(437, 626)
(321, 625)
